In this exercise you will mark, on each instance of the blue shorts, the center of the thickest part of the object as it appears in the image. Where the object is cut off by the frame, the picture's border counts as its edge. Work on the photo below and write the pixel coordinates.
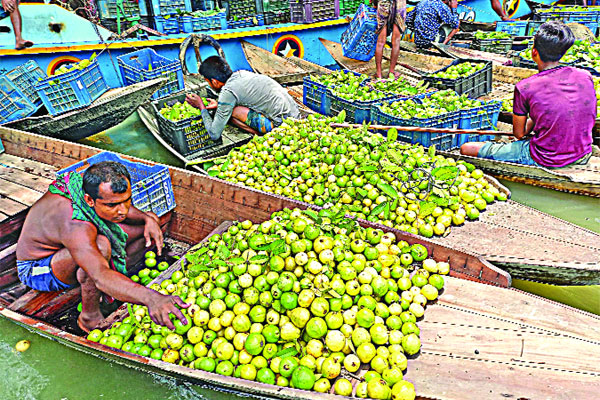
(515, 152)
(3, 13)
(38, 275)
(259, 122)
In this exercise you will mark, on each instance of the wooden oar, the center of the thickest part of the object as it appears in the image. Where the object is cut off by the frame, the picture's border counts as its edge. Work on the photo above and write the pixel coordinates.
(423, 129)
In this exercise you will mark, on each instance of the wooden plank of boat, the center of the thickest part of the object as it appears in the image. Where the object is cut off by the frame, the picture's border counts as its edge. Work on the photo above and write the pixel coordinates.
(279, 68)
(110, 109)
(459, 52)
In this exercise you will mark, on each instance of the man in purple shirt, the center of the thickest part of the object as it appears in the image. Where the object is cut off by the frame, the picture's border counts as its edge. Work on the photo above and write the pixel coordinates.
(561, 105)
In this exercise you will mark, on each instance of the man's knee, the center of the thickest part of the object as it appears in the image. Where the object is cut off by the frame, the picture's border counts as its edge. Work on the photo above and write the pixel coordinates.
(104, 246)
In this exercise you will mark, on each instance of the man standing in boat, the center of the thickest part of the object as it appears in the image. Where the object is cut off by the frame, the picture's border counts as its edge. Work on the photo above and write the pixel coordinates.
(11, 8)
(390, 18)
(427, 18)
(554, 110)
(78, 230)
(253, 102)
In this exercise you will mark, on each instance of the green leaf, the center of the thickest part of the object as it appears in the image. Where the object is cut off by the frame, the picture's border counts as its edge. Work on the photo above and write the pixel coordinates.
(341, 118)
(259, 259)
(438, 192)
(431, 151)
(277, 247)
(236, 261)
(426, 208)
(392, 135)
(445, 173)
(362, 192)
(394, 204)
(388, 189)
(368, 168)
(386, 211)
(219, 263)
(395, 156)
(389, 167)
(289, 352)
(440, 201)
(222, 252)
(379, 209)
(311, 214)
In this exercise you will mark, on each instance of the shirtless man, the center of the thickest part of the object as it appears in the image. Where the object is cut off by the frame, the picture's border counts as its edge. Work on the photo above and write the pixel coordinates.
(80, 225)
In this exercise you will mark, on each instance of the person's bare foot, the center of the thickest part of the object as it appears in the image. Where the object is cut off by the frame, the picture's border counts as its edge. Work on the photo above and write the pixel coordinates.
(23, 44)
(87, 323)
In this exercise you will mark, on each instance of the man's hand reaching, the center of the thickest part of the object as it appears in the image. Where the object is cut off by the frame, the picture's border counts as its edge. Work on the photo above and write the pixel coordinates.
(162, 306)
(195, 101)
(152, 232)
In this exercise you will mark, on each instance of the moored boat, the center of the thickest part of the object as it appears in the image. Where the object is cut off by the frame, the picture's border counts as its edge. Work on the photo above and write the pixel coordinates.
(479, 340)
(110, 109)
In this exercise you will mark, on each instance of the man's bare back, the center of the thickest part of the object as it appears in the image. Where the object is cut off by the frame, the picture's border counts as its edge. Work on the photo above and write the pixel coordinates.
(48, 220)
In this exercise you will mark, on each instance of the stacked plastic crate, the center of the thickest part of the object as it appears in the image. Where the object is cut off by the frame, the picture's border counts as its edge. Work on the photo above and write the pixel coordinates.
(243, 14)
(308, 11)
(276, 11)
(166, 14)
(119, 15)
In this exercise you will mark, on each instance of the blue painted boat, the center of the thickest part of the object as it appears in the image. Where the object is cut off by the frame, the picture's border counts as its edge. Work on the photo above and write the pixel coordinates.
(61, 36)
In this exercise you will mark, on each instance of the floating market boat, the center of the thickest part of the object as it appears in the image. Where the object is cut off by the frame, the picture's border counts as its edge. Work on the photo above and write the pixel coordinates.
(543, 260)
(583, 179)
(480, 339)
(110, 109)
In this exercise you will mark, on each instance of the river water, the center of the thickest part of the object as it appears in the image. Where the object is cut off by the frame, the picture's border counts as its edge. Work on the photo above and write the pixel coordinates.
(51, 371)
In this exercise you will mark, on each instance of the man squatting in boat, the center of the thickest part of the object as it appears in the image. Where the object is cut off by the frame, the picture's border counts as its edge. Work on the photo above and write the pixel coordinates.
(253, 102)
(81, 229)
(554, 110)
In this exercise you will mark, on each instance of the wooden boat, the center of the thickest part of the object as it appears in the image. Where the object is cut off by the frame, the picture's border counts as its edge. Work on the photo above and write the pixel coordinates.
(583, 180)
(110, 109)
(481, 339)
(543, 260)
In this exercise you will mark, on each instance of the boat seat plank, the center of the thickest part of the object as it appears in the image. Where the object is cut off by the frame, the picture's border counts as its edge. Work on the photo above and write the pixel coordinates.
(35, 302)
(547, 243)
(462, 333)
(8, 257)
(448, 376)
(11, 207)
(26, 179)
(520, 309)
(27, 165)
(17, 192)
(3, 217)
(9, 277)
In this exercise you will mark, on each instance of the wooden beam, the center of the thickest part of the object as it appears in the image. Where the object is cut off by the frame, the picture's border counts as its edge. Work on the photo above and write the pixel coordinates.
(22, 194)
(30, 180)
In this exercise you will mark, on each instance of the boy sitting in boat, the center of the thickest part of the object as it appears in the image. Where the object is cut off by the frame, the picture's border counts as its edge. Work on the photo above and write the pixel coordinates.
(253, 102)
(78, 230)
(560, 102)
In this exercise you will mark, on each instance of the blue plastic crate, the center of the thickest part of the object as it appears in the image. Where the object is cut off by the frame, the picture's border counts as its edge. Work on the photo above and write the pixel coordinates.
(13, 103)
(514, 28)
(483, 117)
(356, 111)
(442, 141)
(168, 26)
(313, 94)
(72, 90)
(114, 8)
(134, 69)
(164, 7)
(217, 21)
(359, 39)
(1, 147)
(151, 188)
(186, 24)
(258, 20)
(25, 77)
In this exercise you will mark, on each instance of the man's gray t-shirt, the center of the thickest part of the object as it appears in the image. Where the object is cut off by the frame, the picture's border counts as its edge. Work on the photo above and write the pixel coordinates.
(257, 92)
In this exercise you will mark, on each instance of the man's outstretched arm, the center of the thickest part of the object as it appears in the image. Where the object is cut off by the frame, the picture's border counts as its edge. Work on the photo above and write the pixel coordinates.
(81, 243)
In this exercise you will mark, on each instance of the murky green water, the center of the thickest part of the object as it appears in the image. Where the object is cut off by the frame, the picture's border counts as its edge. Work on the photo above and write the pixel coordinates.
(49, 370)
